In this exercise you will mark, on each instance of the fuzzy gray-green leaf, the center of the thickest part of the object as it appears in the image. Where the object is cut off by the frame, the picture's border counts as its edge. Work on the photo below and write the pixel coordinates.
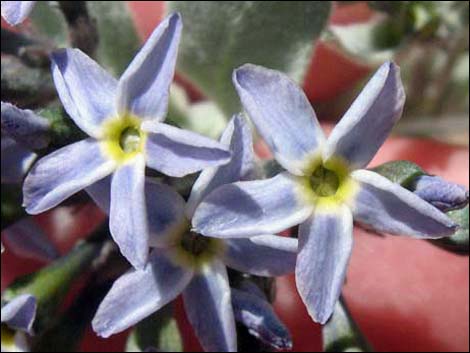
(400, 172)
(220, 36)
(118, 40)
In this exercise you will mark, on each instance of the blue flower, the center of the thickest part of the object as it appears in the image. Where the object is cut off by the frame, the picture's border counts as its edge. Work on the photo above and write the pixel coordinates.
(324, 187)
(23, 132)
(184, 262)
(18, 317)
(15, 12)
(124, 121)
(443, 194)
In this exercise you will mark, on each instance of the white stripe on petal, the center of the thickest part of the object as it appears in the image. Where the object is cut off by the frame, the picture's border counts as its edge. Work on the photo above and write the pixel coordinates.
(369, 120)
(140, 293)
(128, 212)
(62, 173)
(238, 138)
(265, 255)
(325, 245)
(282, 114)
(251, 208)
(208, 305)
(144, 86)
(387, 207)
(177, 152)
(85, 89)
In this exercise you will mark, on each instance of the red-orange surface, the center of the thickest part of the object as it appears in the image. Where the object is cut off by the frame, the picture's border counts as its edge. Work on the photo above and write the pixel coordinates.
(406, 295)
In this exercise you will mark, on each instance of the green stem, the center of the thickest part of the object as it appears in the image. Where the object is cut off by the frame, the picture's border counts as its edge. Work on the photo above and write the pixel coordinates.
(342, 334)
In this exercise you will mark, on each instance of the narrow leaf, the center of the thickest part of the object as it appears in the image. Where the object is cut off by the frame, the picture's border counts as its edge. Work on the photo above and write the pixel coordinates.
(50, 284)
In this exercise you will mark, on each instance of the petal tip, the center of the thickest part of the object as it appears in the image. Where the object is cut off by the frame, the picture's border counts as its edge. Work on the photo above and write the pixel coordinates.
(241, 72)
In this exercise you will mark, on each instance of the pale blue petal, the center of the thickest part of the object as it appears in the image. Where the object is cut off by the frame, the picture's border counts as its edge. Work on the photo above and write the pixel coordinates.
(251, 208)
(15, 162)
(100, 192)
(238, 138)
(325, 245)
(208, 305)
(282, 114)
(389, 208)
(140, 293)
(165, 209)
(267, 255)
(260, 319)
(144, 86)
(25, 239)
(15, 12)
(87, 92)
(128, 214)
(25, 127)
(63, 173)
(369, 120)
(20, 313)
(442, 194)
(177, 152)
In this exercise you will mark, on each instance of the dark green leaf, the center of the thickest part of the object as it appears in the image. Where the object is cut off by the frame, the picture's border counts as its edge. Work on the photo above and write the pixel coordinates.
(24, 85)
(13, 42)
(67, 332)
(12, 210)
(220, 36)
(62, 129)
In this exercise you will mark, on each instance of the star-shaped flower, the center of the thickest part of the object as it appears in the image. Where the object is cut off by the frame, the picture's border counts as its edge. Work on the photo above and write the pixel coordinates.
(325, 187)
(124, 121)
(184, 262)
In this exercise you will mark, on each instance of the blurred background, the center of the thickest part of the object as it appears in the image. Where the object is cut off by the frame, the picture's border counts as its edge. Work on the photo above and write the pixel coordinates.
(404, 294)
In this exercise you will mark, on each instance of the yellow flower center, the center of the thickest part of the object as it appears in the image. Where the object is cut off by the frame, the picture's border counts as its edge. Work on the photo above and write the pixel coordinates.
(122, 138)
(327, 184)
(324, 182)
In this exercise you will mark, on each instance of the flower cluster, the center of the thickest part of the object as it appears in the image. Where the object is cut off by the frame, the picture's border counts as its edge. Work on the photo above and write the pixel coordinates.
(324, 187)
(179, 246)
